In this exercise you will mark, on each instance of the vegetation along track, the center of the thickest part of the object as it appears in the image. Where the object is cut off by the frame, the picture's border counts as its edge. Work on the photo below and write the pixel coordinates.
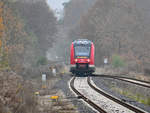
(135, 109)
(127, 79)
(97, 106)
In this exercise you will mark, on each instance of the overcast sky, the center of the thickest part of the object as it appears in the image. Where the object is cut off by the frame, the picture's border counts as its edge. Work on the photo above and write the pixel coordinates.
(56, 4)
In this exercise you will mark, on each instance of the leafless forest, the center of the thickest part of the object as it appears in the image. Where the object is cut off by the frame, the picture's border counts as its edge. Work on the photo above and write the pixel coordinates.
(116, 27)
(31, 38)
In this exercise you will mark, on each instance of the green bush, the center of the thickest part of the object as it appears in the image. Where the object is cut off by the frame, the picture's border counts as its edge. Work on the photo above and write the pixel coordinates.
(117, 61)
(148, 101)
(41, 61)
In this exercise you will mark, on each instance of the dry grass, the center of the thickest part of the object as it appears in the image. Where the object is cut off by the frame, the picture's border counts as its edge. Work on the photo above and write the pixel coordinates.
(3, 109)
(132, 95)
(28, 102)
(17, 96)
(46, 105)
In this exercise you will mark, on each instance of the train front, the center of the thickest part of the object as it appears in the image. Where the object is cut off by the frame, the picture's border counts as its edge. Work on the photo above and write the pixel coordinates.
(82, 57)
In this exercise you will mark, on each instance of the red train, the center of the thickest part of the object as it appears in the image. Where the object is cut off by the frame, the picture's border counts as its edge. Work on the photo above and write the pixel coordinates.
(82, 57)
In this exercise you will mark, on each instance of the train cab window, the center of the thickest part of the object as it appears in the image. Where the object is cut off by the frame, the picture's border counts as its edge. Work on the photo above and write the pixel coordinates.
(82, 51)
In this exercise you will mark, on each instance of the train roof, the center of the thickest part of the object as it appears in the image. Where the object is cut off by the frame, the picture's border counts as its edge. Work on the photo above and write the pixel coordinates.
(82, 41)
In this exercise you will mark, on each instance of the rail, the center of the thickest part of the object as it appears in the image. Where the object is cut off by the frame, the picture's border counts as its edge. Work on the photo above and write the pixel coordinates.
(85, 98)
(135, 109)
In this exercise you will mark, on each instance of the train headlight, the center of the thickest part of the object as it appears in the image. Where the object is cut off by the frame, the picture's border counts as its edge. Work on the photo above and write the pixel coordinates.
(76, 60)
(88, 60)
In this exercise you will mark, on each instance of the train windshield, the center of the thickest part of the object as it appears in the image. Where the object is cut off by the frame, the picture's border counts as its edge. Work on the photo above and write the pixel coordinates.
(82, 51)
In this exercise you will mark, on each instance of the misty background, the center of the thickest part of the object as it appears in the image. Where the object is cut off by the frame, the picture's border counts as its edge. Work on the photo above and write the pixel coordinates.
(42, 31)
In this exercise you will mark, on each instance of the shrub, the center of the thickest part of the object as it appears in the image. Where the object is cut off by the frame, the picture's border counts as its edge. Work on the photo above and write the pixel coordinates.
(148, 101)
(117, 61)
(41, 61)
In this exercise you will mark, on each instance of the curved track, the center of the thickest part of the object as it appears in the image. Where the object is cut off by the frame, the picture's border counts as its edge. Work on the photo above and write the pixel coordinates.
(136, 110)
(127, 79)
(85, 98)
(101, 92)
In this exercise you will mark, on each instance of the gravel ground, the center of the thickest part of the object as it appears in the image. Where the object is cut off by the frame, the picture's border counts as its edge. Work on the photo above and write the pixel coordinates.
(105, 83)
(105, 103)
(64, 86)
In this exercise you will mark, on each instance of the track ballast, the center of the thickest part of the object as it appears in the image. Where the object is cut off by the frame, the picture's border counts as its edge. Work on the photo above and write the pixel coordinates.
(114, 105)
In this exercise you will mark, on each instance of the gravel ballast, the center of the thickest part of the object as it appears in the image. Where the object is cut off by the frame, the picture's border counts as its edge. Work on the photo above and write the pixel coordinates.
(107, 83)
(105, 103)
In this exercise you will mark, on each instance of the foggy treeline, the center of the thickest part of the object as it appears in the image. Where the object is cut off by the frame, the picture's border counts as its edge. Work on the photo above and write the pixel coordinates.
(117, 27)
(27, 31)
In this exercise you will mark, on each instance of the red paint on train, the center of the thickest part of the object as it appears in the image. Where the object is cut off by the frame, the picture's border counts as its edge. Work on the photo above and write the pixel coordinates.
(82, 57)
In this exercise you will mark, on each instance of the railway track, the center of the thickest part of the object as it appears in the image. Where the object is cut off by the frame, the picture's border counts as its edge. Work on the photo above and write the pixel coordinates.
(127, 79)
(98, 99)
(85, 98)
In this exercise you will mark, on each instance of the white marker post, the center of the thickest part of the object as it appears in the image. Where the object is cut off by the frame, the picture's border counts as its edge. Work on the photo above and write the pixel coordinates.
(54, 71)
(105, 61)
(43, 81)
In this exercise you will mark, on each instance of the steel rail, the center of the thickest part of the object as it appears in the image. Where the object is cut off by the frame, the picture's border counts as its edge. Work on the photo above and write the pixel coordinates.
(122, 79)
(135, 109)
(85, 98)
(140, 84)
